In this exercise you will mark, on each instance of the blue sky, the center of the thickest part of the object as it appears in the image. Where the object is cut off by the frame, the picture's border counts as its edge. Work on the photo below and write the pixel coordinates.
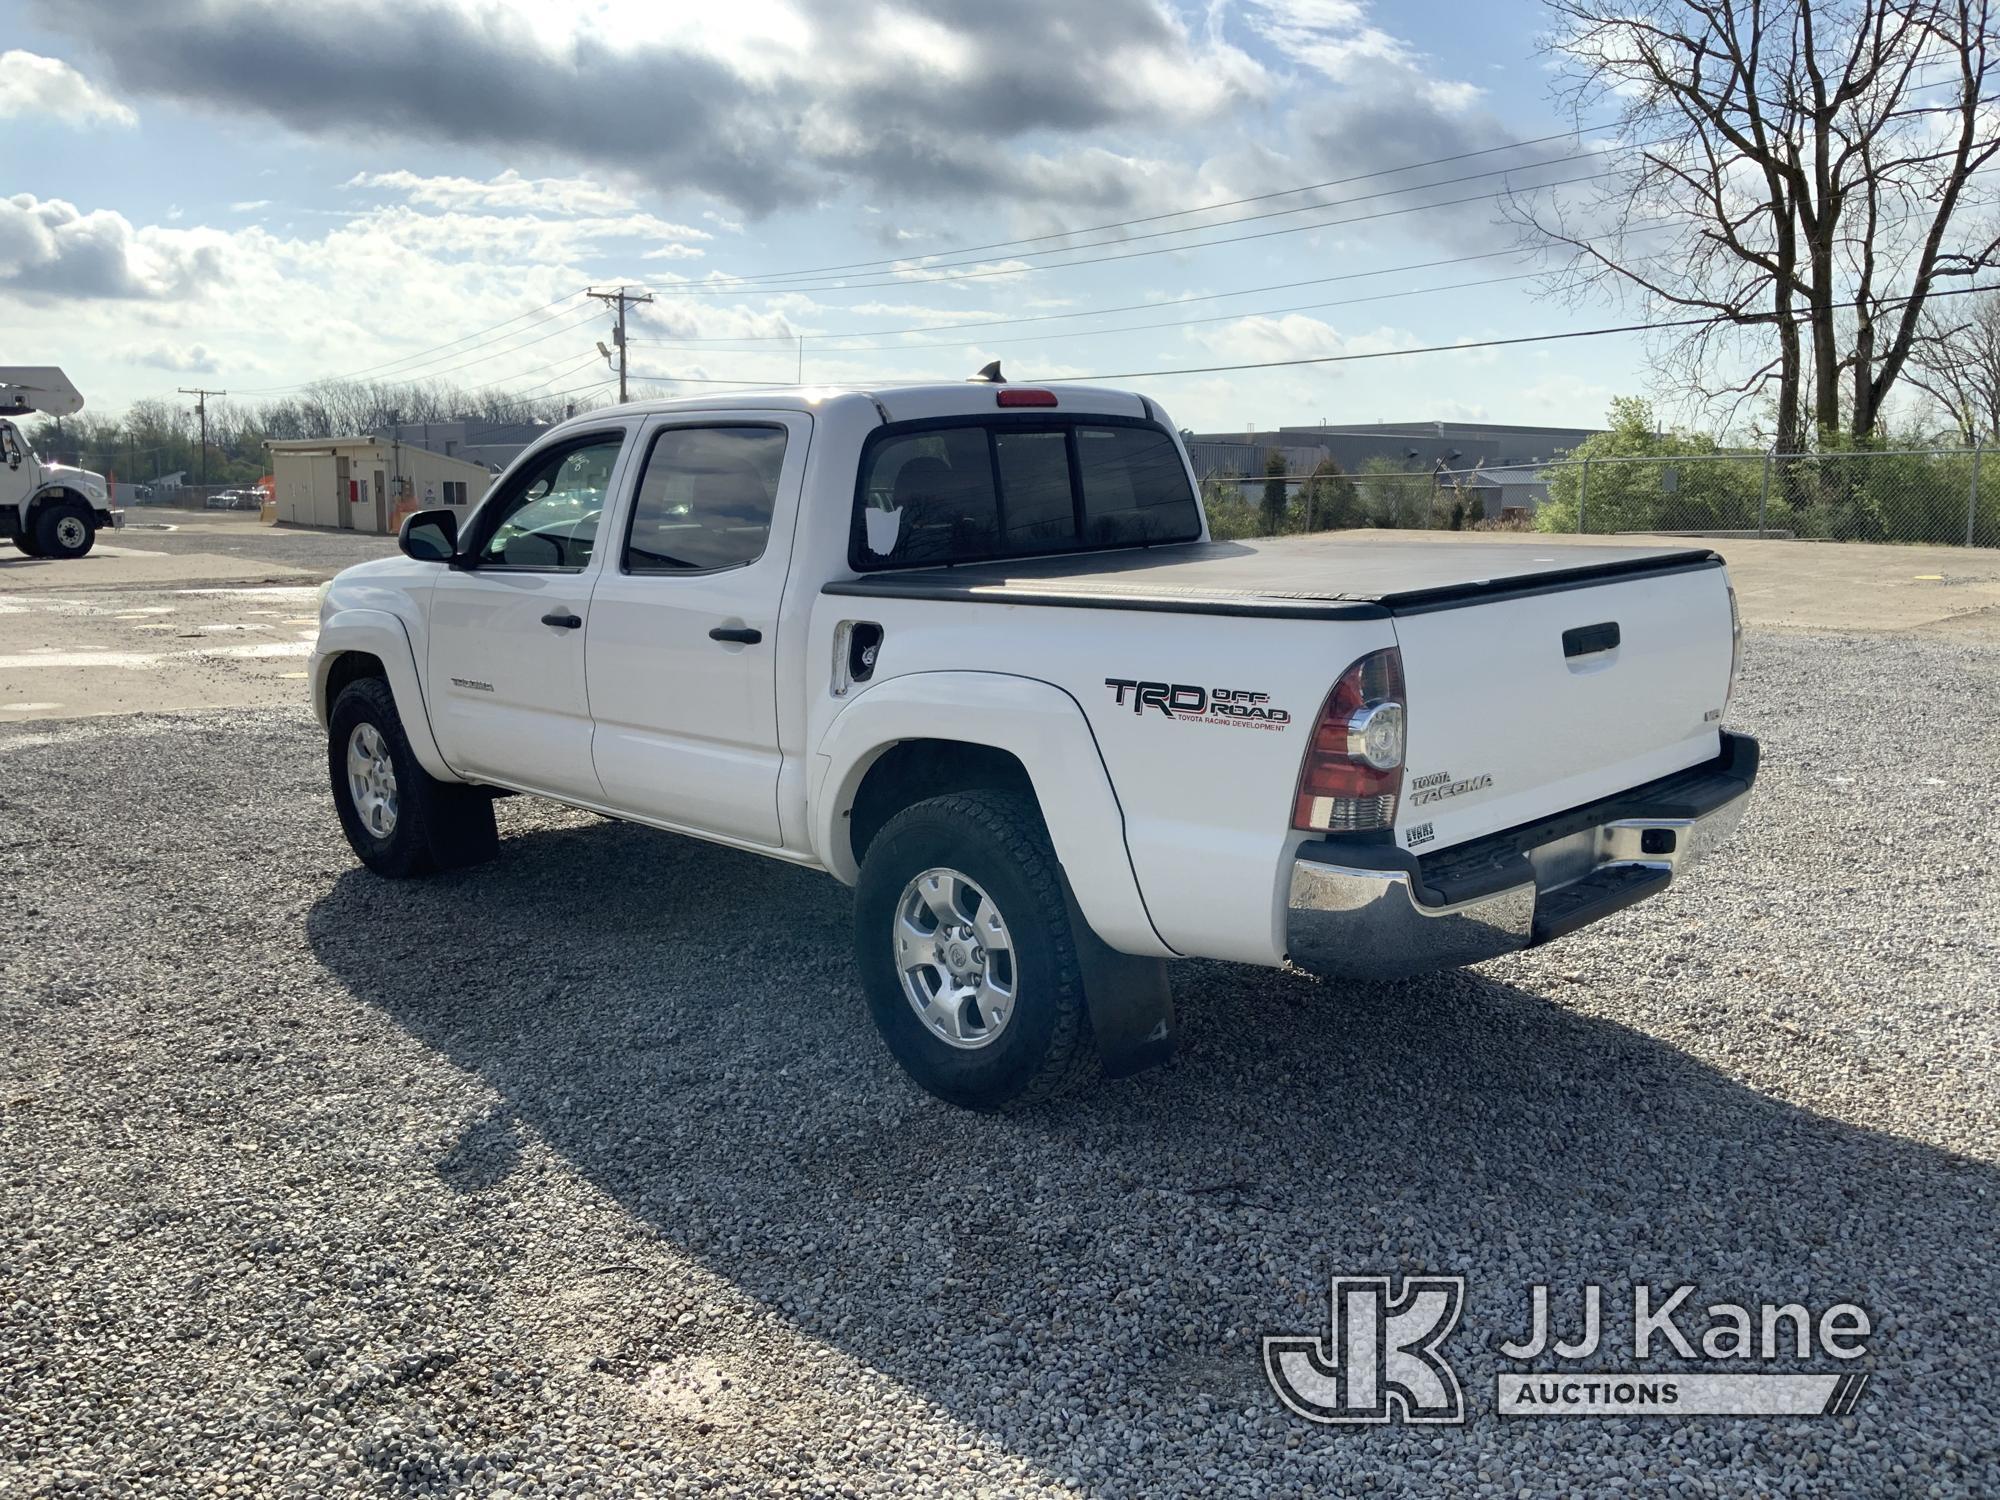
(253, 194)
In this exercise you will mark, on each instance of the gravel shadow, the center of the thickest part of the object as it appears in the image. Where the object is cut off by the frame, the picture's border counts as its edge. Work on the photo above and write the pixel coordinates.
(1085, 1284)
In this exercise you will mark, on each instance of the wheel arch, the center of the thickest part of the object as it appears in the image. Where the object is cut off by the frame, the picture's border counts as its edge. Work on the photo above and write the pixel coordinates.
(884, 752)
(58, 494)
(360, 643)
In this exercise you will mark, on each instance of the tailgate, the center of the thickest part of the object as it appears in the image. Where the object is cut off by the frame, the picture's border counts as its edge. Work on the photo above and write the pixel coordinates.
(1529, 703)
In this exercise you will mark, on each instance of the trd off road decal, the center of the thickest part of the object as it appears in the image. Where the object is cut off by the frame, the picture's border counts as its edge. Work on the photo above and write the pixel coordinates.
(1199, 705)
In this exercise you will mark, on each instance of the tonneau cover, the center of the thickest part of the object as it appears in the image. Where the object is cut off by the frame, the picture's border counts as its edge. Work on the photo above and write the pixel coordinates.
(1332, 575)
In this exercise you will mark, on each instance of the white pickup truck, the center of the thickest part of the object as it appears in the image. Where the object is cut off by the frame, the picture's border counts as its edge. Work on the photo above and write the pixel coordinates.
(969, 649)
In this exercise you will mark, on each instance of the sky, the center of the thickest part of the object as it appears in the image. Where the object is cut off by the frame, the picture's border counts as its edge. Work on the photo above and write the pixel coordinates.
(254, 194)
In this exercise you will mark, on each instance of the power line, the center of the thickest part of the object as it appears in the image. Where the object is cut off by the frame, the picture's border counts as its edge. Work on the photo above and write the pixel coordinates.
(1275, 213)
(712, 288)
(1532, 338)
(1094, 312)
(1575, 133)
(273, 390)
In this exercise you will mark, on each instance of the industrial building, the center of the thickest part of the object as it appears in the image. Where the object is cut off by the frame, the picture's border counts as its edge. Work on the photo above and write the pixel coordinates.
(493, 444)
(1501, 463)
(367, 483)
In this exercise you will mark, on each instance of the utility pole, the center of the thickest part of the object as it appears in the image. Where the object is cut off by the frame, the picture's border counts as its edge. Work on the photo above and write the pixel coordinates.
(622, 298)
(201, 409)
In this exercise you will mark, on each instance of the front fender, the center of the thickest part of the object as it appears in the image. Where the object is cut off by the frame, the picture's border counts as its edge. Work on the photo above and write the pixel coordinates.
(1037, 723)
(384, 637)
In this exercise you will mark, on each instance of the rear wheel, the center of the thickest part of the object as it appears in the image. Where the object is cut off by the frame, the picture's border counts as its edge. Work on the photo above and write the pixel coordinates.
(966, 952)
(64, 531)
(399, 819)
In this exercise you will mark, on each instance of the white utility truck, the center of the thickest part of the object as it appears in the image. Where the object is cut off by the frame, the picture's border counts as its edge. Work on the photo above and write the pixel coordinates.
(47, 510)
(970, 649)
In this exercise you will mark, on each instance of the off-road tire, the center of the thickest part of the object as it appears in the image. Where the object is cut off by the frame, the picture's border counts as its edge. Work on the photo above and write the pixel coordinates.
(998, 840)
(56, 539)
(439, 825)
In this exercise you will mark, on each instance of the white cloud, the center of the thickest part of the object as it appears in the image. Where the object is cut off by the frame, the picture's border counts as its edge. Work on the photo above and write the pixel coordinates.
(249, 205)
(33, 87)
(52, 249)
(762, 104)
(180, 359)
(509, 190)
(1292, 336)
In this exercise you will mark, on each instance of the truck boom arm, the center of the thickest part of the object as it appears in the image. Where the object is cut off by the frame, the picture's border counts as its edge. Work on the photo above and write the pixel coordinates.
(43, 388)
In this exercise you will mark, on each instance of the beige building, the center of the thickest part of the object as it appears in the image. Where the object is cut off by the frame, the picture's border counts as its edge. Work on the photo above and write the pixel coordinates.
(367, 484)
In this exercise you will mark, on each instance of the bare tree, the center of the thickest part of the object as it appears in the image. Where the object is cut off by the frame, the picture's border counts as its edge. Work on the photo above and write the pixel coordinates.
(1956, 360)
(1799, 170)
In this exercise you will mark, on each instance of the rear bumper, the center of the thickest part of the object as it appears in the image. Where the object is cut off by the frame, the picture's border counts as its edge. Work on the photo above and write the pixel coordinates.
(1376, 912)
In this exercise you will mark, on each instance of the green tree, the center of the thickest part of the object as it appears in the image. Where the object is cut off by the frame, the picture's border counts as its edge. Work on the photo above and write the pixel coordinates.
(1634, 477)
(1392, 496)
(1330, 501)
(1274, 492)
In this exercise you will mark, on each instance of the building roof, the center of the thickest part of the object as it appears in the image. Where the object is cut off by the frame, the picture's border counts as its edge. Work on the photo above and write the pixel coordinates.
(378, 449)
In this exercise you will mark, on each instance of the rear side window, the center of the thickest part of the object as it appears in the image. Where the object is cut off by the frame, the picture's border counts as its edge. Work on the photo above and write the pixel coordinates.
(970, 493)
(705, 499)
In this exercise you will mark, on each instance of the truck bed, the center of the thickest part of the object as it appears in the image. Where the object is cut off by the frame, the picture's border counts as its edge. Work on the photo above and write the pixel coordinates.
(1313, 577)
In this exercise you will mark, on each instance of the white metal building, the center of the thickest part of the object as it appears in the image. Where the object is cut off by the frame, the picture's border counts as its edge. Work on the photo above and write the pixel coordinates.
(367, 484)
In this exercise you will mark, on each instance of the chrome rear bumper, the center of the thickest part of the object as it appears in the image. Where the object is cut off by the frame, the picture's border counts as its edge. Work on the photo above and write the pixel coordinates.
(1396, 916)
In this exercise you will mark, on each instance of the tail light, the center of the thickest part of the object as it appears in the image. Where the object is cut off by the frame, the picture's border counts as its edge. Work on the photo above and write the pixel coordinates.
(1353, 771)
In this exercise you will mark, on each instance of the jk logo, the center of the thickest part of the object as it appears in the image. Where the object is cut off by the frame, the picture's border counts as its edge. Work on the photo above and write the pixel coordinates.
(1379, 1360)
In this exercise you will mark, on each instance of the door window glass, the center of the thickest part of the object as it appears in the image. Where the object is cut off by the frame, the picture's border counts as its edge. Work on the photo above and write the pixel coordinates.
(548, 516)
(705, 499)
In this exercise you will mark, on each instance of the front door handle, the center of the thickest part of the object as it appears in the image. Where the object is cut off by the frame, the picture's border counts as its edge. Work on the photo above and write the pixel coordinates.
(563, 622)
(741, 635)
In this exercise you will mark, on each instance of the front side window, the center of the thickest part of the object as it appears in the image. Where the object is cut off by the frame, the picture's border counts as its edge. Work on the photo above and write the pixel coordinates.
(548, 516)
(705, 499)
(988, 490)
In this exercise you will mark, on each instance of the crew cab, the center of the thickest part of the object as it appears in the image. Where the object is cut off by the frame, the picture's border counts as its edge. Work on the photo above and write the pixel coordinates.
(971, 650)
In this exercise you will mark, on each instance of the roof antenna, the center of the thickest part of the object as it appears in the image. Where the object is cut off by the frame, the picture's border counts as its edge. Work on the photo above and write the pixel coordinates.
(991, 374)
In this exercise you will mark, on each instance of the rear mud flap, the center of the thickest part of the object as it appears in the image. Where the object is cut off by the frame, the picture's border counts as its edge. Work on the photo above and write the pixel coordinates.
(1131, 1001)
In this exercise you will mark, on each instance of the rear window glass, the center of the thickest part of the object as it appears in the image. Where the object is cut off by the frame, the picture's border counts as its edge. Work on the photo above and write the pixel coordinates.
(980, 491)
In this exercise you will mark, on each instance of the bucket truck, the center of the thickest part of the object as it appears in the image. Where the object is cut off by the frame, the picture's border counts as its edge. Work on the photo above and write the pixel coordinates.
(47, 509)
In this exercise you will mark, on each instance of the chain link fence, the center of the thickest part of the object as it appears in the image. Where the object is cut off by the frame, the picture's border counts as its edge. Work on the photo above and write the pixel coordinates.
(1945, 496)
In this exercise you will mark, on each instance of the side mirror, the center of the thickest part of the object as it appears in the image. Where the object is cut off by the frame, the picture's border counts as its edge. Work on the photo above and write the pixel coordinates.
(429, 535)
(13, 460)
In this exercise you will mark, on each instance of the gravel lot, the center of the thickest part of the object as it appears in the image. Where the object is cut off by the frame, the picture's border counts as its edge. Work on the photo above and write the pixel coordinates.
(584, 1174)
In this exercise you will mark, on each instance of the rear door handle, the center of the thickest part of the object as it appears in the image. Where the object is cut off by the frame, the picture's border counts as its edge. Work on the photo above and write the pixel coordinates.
(741, 635)
(563, 622)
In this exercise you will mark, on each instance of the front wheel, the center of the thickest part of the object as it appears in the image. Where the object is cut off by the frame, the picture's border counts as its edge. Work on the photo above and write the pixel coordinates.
(399, 819)
(970, 966)
(64, 531)
(25, 540)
